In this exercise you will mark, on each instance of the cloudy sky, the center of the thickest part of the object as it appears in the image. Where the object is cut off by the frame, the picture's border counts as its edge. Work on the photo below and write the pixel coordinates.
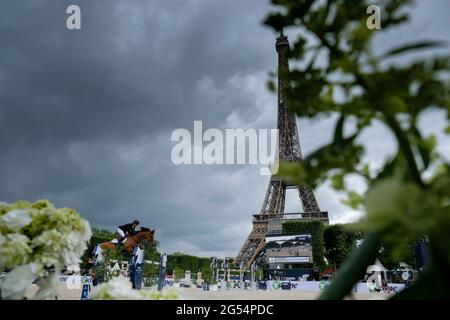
(86, 116)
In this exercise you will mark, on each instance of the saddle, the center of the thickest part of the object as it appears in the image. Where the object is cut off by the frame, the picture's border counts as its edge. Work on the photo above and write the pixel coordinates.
(116, 241)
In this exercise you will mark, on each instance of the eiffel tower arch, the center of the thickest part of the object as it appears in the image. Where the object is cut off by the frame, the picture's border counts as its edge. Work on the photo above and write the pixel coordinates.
(271, 215)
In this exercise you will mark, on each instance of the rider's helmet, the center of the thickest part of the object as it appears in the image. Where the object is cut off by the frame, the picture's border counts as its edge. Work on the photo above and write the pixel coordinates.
(136, 222)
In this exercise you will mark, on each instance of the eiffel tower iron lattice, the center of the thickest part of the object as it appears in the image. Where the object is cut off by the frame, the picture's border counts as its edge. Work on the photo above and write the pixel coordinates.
(288, 150)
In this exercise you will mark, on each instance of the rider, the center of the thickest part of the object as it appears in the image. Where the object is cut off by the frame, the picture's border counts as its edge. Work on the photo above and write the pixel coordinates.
(127, 229)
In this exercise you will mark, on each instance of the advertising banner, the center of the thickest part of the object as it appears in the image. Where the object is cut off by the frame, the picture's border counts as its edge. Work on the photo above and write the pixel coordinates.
(361, 287)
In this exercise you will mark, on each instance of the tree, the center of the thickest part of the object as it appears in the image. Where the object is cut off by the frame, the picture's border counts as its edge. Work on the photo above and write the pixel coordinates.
(207, 274)
(407, 199)
(187, 262)
(151, 251)
(339, 243)
(150, 270)
(178, 274)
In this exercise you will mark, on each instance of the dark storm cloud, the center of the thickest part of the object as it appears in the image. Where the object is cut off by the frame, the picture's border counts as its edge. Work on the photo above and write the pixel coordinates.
(77, 106)
(128, 69)
(86, 116)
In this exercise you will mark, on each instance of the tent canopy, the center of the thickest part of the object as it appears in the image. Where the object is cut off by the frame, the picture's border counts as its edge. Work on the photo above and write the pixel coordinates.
(377, 266)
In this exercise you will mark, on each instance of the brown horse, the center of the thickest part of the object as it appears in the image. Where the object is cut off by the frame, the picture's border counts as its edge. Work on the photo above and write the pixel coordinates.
(132, 240)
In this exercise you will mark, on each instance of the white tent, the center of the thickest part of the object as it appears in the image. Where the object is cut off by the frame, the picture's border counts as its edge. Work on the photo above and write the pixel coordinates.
(377, 266)
(379, 271)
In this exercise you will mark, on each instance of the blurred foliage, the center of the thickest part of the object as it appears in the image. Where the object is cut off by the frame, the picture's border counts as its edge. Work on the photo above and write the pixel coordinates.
(316, 229)
(150, 270)
(178, 274)
(207, 274)
(389, 259)
(339, 74)
(339, 242)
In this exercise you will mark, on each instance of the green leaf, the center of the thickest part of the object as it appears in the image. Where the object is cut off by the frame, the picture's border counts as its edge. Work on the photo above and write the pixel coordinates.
(354, 200)
(413, 46)
(339, 130)
(447, 130)
(365, 170)
(390, 167)
(430, 142)
(271, 85)
(337, 181)
(277, 21)
(424, 146)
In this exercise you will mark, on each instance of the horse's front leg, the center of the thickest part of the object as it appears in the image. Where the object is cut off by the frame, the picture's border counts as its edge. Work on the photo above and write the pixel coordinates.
(128, 247)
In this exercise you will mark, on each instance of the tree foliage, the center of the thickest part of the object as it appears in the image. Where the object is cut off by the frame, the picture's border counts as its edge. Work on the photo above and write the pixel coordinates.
(339, 243)
(187, 262)
(407, 198)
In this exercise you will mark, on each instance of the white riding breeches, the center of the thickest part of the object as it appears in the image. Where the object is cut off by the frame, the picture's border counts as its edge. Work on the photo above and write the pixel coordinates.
(120, 231)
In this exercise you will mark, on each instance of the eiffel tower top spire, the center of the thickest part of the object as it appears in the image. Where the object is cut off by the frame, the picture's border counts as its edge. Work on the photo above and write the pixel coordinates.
(282, 40)
(288, 140)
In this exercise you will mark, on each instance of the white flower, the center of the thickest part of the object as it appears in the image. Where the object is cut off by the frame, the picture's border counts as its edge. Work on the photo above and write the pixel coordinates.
(47, 287)
(54, 237)
(87, 231)
(16, 219)
(118, 288)
(72, 240)
(14, 249)
(165, 294)
(17, 281)
(70, 257)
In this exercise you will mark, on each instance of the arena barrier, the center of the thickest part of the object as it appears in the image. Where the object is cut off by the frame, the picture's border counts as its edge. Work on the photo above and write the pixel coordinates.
(77, 282)
(361, 287)
(135, 267)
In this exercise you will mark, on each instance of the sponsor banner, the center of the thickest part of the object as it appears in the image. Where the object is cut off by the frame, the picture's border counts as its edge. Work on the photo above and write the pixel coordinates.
(374, 288)
(85, 292)
(321, 285)
(298, 237)
(289, 259)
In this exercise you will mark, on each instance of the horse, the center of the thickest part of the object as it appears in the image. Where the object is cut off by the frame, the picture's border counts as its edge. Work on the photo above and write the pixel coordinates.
(145, 234)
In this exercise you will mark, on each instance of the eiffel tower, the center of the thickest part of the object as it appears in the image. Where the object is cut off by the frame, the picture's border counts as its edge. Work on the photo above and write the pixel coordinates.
(288, 150)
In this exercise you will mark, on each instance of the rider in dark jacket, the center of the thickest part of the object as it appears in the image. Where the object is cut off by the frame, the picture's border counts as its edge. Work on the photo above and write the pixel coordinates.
(127, 229)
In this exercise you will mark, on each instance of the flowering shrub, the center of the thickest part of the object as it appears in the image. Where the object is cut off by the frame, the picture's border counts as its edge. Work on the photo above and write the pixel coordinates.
(36, 238)
(119, 288)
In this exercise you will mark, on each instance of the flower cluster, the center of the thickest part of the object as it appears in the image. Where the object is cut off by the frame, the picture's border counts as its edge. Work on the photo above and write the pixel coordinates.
(35, 237)
(119, 288)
